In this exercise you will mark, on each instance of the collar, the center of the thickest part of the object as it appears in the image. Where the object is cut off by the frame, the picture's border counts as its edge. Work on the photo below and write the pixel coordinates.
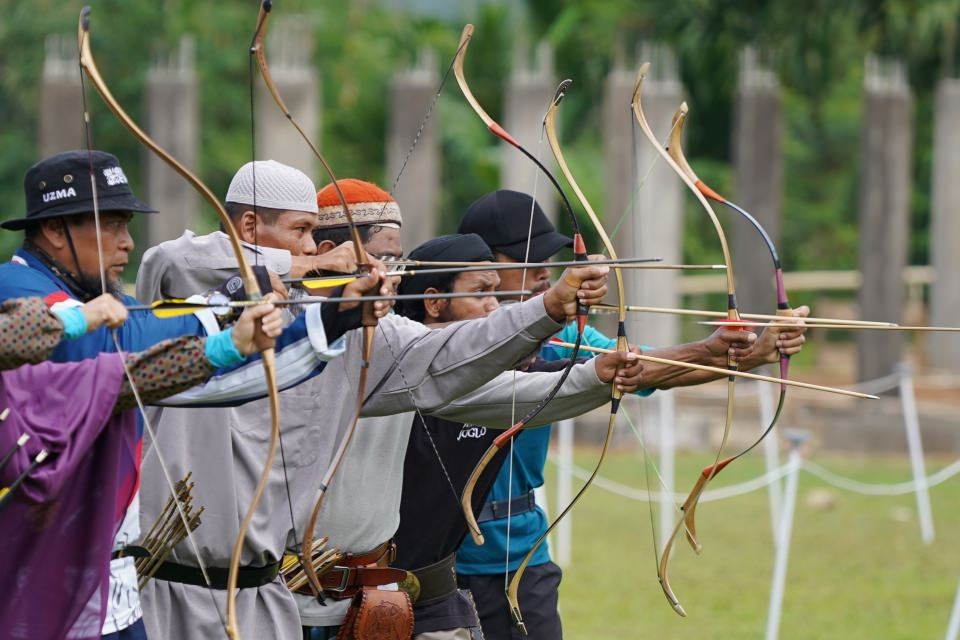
(26, 258)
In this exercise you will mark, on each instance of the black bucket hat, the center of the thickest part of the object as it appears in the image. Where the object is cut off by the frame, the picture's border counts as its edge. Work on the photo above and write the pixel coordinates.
(60, 186)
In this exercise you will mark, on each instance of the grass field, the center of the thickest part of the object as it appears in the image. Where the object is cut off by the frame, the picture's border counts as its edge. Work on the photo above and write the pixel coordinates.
(857, 569)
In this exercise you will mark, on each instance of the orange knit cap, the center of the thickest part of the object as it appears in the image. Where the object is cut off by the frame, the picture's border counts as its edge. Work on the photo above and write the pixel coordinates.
(369, 204)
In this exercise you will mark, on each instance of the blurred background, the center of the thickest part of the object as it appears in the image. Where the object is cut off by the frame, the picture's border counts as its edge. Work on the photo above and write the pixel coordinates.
(835, 122)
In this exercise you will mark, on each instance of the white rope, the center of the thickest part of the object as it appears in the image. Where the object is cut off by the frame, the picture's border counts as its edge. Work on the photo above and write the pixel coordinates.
(831, 478)
(865, 488)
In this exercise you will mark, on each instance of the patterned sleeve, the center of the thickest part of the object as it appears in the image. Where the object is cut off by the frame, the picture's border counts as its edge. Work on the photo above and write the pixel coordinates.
(28, 332)
(165, 369)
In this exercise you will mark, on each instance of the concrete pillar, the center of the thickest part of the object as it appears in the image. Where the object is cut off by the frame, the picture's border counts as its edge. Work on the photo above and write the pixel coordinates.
(173, 120)
(61, 110)
(885, 169)
(643, 194)
(645, 199)
(943, 350)
(759, 183)
(415, 142)
(529, 92)
(289, 52)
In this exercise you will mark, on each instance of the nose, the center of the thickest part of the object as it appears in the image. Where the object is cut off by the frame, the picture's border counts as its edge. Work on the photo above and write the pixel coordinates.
(125, 240)
(490, 304)
(308, 245)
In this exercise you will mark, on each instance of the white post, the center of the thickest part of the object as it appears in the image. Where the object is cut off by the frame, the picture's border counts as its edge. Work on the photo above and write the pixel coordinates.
(911, 424)
(771, 455)
(666, 403)
(953, 628)
(785, 530)
(564, 531)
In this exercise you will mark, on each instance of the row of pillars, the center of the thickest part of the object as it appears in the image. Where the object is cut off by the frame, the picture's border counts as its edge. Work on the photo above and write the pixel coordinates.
(642, 195)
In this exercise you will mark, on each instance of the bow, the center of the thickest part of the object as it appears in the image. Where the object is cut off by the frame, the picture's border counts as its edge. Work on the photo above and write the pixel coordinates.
(732, 315)
(250, 282)
(580, 254)
(675, 150)
(549, 124)
(369, 320)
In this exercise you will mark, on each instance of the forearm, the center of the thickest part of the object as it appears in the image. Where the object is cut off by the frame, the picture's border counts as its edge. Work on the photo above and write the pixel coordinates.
(29, 332)
(512, 395)
(437, 367)
(165, 369)
(663, 376)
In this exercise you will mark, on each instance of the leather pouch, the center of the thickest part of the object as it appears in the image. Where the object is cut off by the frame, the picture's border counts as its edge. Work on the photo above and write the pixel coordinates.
(378, 615)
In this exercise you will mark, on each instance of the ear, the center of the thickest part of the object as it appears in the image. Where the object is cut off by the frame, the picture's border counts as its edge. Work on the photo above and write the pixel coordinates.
(246, 226)
(324, 246)
(434, 306)
(53, 234)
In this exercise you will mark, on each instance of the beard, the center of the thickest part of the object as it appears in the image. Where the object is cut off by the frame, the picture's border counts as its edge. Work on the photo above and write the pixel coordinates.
(91, 287)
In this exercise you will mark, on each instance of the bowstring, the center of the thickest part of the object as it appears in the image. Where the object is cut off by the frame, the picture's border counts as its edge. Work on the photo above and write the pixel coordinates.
(256, 261)
(513, 407)
(393, 354)
(148, 426)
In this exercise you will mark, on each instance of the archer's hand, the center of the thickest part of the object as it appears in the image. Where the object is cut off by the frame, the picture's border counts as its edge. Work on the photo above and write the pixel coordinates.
(727, 343)
(623, 369)
(588, 284)
(342, 259)
(278, 287)
(258, 327)
(775, 340)
(105, 309)
(372, 283)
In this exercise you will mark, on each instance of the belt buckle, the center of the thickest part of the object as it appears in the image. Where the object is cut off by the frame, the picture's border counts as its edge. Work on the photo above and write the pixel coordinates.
(344, 580)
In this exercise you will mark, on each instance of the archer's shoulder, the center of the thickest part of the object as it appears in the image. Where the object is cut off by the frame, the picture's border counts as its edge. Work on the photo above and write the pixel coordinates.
(170, 250)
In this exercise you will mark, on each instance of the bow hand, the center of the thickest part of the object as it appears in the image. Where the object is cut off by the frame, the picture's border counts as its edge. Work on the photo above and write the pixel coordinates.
(258, 327)
(105, 309)
(623, 369)
(585, 285)
(777, 341)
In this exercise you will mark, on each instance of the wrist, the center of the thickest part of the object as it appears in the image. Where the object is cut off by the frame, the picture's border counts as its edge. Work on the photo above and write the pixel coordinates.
(75, 322)
(222, 351)
(553, 306)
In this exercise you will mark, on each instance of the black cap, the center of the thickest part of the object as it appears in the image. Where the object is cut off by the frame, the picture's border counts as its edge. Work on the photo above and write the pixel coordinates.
(60, 186)
(459, 247)
(502, 219)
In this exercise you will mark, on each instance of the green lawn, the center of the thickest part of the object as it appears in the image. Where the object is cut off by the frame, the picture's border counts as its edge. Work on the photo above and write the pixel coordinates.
(857, 570)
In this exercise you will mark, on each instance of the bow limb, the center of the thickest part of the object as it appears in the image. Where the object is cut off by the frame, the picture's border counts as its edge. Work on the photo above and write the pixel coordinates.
(622, 346)
(580, 254)
(675, 150)
(732, 312)
(89, 66)
(369, 320)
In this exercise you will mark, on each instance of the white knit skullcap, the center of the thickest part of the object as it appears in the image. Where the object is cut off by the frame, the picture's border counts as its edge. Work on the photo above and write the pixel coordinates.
(277, 187)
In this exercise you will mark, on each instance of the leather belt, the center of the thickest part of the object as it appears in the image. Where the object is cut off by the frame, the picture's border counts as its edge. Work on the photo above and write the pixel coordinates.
(248, 578)
(355, 571)
(130, 551)
(438, 581)
(496, 509)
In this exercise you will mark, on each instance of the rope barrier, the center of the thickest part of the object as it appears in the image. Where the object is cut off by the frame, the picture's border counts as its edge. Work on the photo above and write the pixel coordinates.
(749, 486)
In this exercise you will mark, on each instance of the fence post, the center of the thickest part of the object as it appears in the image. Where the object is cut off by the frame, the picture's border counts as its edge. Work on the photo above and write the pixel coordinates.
(564, 538)
(911, 425)
(953, 628)
(785, 529)
(771, 456)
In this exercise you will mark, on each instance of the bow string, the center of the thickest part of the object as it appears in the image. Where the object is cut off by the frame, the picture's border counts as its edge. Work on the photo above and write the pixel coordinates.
(732, 315)
(88, 65)
(369, 320)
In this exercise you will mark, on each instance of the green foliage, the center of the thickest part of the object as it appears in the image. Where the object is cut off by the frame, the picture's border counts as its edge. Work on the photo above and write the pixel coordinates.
(817, 49)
